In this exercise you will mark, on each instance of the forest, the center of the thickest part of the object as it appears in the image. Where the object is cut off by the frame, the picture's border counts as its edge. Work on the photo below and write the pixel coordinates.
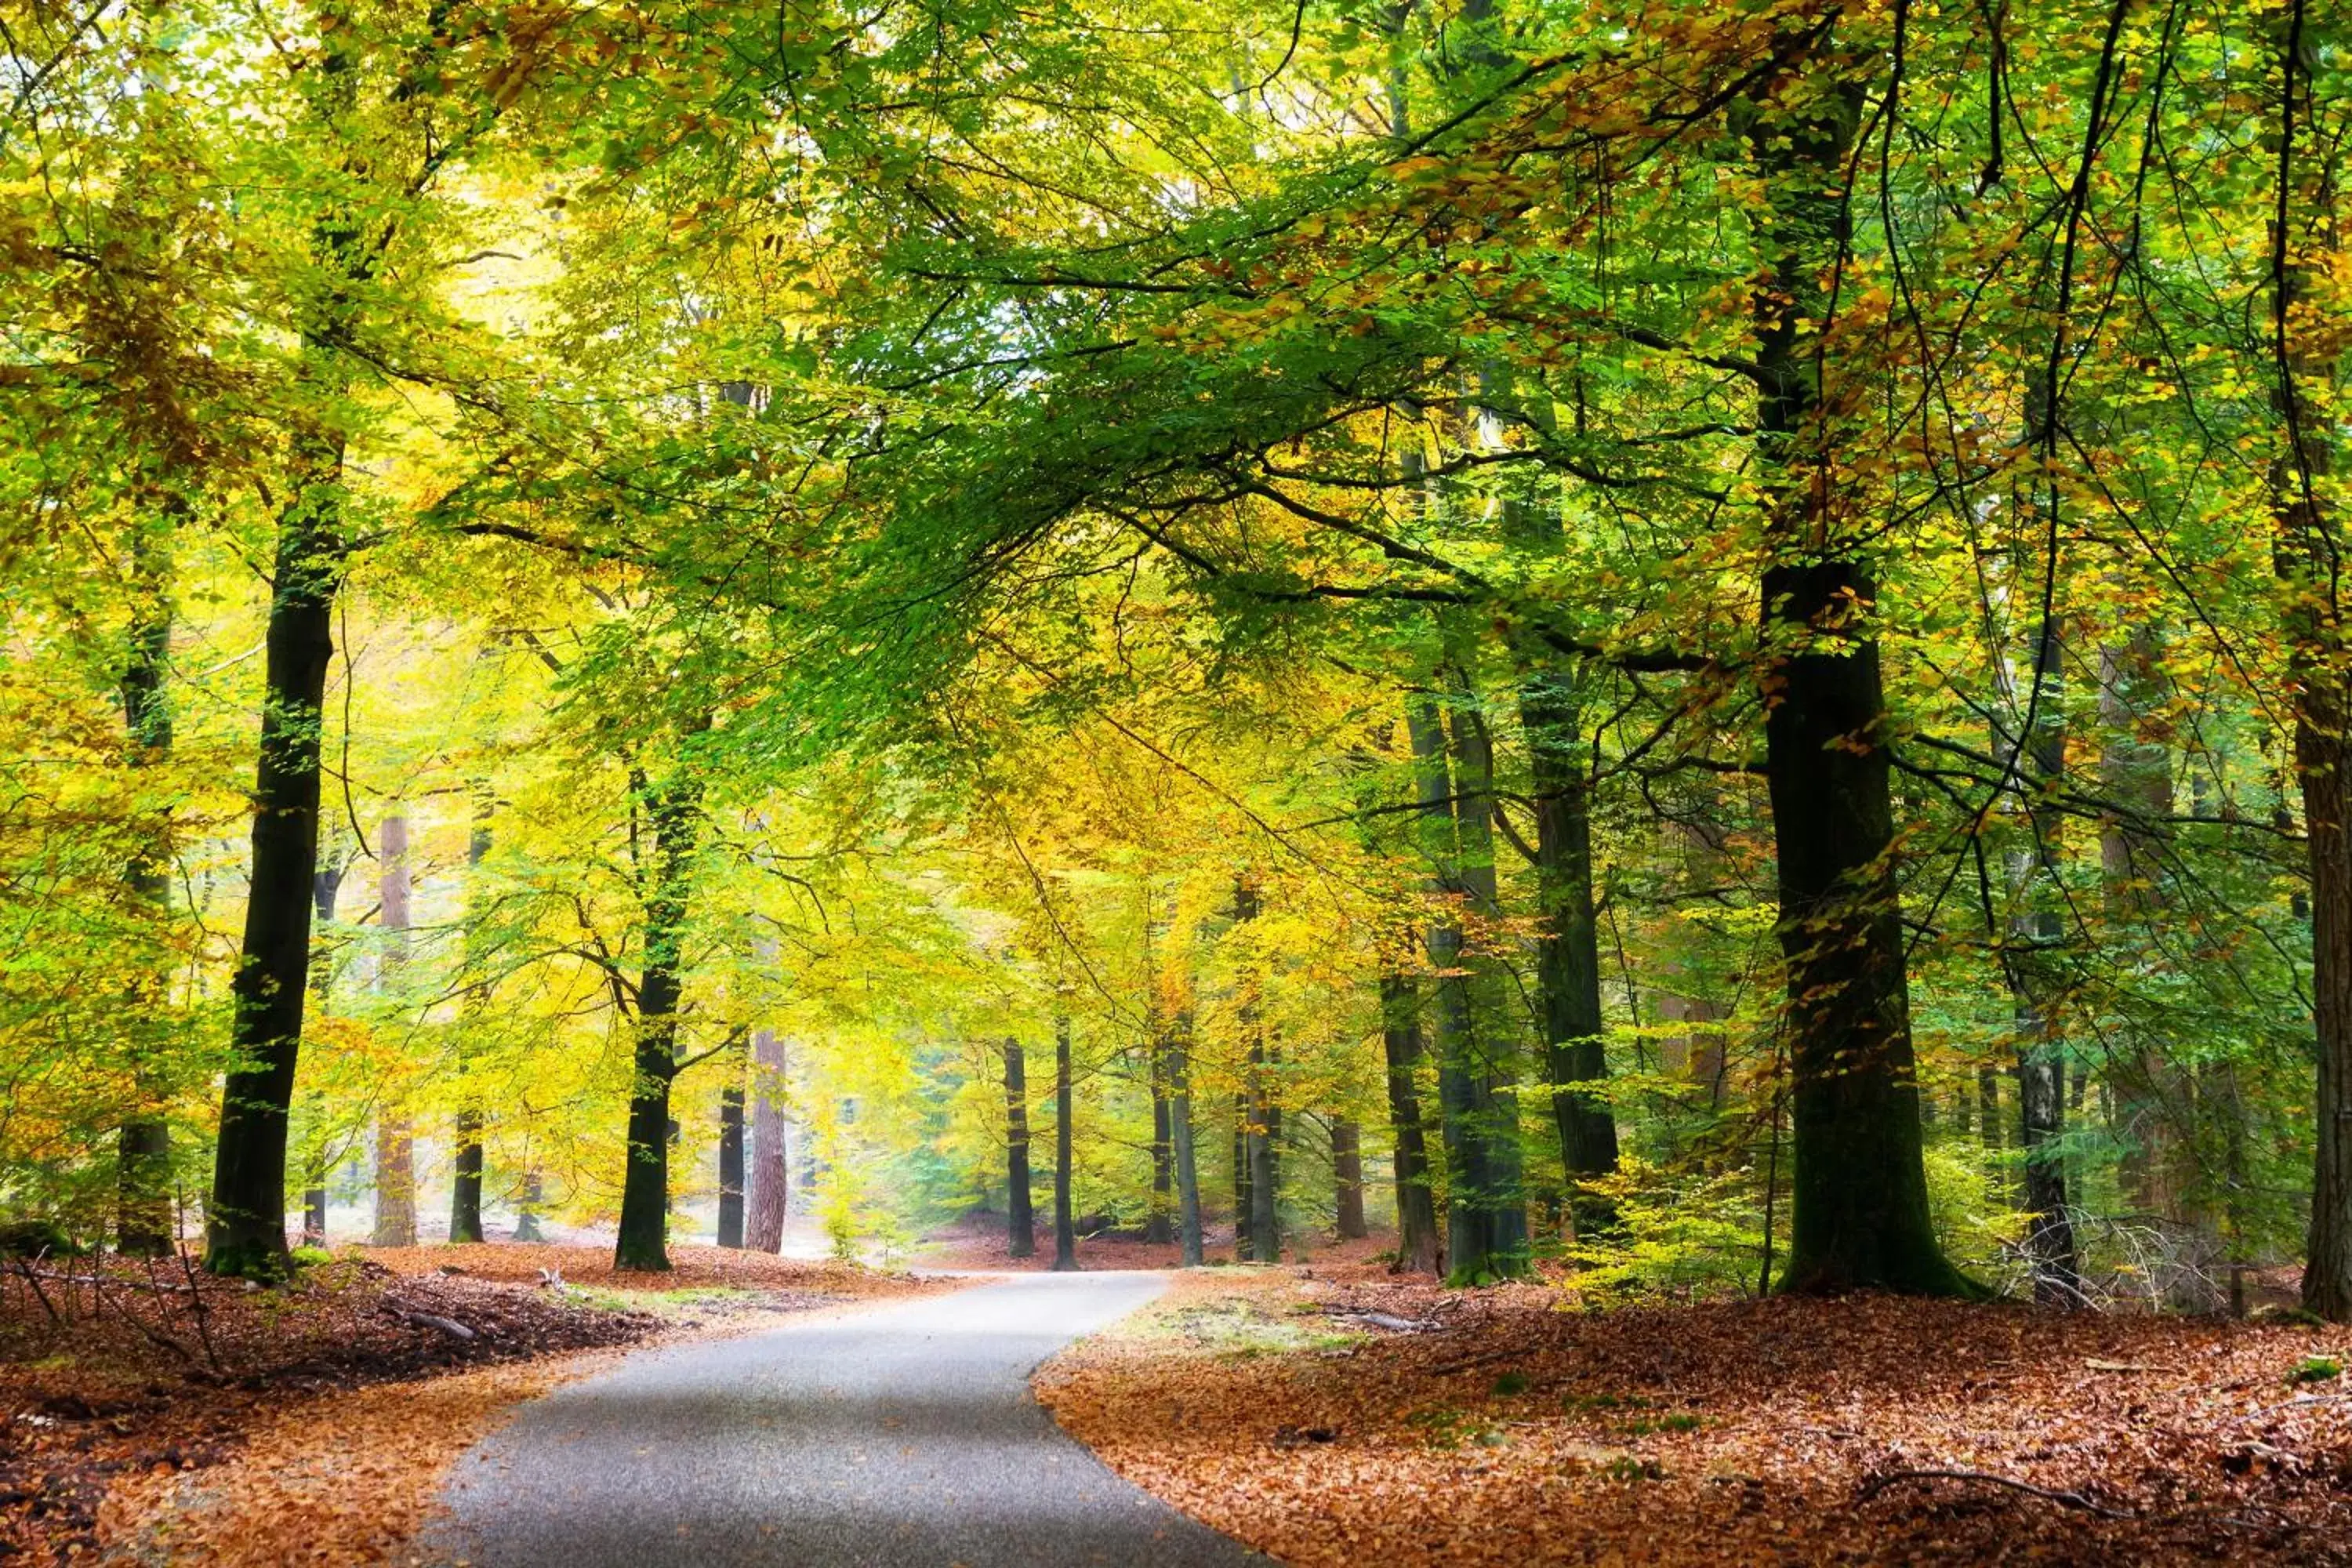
(1668, 652)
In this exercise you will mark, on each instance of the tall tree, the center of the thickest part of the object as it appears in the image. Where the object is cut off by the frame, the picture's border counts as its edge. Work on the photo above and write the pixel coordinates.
(1020, 1217)
(1066, 1240)
(466, 1154)
(396, 1138)
(771, 1165)
(1858, 1213)
(673, 815)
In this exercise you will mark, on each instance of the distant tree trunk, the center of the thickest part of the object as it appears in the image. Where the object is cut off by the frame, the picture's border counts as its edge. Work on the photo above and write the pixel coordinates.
(1159, 1223)
(465, 1158)
(1020, 1218)
(1242, 1199)
(326, 886)
(395, 1144)
(1180, 1130)
(731, 1155)
(1065, 1240)
(1859, 1210)
(771, 1169)
(674, 813)
(1476, 1077)
(1348, 1179)
(527, 1207)
(2041, 1051)
(1567, 950)
(144, 1220)
(1262, 1130)
(1417, 1237)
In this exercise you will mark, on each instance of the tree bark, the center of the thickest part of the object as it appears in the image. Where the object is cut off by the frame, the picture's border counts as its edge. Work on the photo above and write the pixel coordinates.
(466, 1183)
(1180, 1137)
(2304, 300)
(731, 1157)
(1486, 1233)
(1020, 1218)
(395, 1143)
(1417, 1235)
(1244, 1242)
(144, 1220)
(245, 1222)
(1158, 1224)
(1859, 1193)
(1348, 1180)
(770, 1167)
(1261, 1124)
(1065, 1240)
(674, 813)
(1567, 950)
(326, 886)
(2041, 1050)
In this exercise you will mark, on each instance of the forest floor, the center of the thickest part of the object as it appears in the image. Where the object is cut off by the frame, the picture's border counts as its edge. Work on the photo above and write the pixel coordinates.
(978, 1241)
(162, 1416)
(1330, 1416)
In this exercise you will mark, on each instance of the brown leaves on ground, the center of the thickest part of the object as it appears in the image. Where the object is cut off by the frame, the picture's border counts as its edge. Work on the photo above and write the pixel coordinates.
(151, 1410)
(1357, 1423)
(691, 1268)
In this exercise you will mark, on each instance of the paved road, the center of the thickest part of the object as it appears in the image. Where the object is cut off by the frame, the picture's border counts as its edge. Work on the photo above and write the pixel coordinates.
(904, 1436)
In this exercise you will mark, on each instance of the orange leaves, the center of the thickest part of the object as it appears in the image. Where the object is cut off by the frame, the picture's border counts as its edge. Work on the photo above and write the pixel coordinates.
(1503, 1431)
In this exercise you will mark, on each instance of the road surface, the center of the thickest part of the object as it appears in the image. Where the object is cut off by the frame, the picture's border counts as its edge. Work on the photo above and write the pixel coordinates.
(902, 1437)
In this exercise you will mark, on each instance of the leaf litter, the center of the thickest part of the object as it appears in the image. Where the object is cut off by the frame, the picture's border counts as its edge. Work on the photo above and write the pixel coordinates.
(1336, 1418)
(149, 1414)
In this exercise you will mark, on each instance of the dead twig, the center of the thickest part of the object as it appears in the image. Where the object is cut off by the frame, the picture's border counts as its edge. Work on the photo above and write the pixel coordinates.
(47, 1305)
(203, 1312)
(2071, 1500)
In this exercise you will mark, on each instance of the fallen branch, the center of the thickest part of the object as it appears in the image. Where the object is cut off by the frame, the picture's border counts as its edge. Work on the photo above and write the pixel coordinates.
(449, 1326)
(2071, 1500)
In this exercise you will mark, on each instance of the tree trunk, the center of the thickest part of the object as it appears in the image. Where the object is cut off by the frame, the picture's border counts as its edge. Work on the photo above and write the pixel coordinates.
(465, 1156)
(1158, 1224)
(1417, 1237)
(2305, 300)
(1348, 1180)
(1020, 1218)
(1262, 1112)
(1568, 952)
(1859, 1192)
(770, 1168)
(673, 814)
(1180, 1137)
(395, 1143)
(527, 1207)
(1065, 1240)
(144, 1220)
(731, 1157)
(2136, 773)
(1243, 1241)
(326, 886)
(2040, 1049)
(1487, 1235)
(245, 1222)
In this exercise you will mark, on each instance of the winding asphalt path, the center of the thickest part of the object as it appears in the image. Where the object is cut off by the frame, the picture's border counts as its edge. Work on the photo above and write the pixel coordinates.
(904, 1436)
